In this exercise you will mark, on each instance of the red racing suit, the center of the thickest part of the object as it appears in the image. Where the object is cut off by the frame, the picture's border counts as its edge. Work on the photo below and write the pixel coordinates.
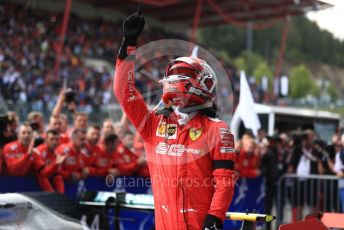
(191, 166)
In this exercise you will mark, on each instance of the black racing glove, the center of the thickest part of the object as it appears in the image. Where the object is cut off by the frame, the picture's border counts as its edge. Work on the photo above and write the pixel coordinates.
(212, 222)
(132, 27)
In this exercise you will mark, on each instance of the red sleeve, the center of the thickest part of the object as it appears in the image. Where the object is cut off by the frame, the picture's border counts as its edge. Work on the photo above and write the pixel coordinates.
(59, 183)
(99, 171)
(49, 170)
(127, 169)
(223, 159)
(131, 100)
(45, 184)
(17, 166)
(38, 162)
(66, 174)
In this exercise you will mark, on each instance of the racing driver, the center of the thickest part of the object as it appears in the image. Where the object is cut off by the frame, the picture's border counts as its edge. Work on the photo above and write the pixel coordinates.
(190, 152)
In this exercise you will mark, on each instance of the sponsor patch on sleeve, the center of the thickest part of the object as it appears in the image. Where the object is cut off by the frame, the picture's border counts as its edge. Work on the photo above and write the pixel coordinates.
(227, 150)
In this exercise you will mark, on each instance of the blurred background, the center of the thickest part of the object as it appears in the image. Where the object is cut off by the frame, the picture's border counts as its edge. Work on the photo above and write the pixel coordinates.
(57, 62)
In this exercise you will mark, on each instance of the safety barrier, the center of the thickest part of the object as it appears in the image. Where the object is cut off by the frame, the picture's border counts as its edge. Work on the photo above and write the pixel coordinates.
(298, 196)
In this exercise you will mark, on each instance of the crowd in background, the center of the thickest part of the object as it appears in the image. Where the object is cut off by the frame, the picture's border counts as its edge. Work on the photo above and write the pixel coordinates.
(29, 40)
(60, 152)
(57, 151)
(301, 153)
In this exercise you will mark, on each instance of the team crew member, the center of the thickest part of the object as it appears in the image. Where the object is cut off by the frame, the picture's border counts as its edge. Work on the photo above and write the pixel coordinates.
(103, 162)
(52, 162)
(248, 161)
(19, 156)
(55, 123)
(92, 139)
(73, 165)
(125, 160)
(183, 142)
(64, 137)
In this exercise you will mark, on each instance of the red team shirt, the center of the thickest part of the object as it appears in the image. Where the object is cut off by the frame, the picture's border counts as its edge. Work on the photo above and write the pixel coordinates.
(124, 160)
(102, 163)
(51, 170)
(75, 161)
(64, 138)
(18, 162)
(49, 159)
(248, 164)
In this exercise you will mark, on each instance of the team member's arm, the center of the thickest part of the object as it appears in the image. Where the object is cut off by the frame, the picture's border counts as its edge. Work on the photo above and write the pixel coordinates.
(59, 104)
(128, 169)
(223, 160)
(124, 81)
(17, 166)
(52, 168)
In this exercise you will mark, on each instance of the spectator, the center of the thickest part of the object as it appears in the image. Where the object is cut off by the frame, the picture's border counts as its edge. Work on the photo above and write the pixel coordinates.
(73, 165)
(55, 123)
(303, 162)
(119, 130)
(124, 159)
(8, 129)
(13, 124)
(92, 139)
(272, 168)
(36, 121)
(339, 170)
(19, 156)
(107, 127)
(80, 120)
(248, 161)
(103, 162)
(52, 162)
(64, 137)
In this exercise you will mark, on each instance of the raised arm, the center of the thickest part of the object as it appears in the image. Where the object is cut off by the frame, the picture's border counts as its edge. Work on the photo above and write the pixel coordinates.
(124, 88)
(59, 104)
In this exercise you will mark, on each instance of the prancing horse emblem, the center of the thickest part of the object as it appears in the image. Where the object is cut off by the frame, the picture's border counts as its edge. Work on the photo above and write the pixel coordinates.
(195, 133)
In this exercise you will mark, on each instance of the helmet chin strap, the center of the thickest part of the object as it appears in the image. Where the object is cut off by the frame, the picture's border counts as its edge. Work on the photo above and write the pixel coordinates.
(194, 108)
(206, 108)
(183, 118)
(187, 113)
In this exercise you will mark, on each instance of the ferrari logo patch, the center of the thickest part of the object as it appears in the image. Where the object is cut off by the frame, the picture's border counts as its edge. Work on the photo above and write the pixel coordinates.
(195, 133)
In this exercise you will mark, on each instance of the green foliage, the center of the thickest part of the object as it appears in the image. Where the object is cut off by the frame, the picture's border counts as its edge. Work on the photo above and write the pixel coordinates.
(263, 70)
(255, 65)
(224, 37)
(306, 42)
(247, 61)
(240, 64)
(301, 83)
(331, 90)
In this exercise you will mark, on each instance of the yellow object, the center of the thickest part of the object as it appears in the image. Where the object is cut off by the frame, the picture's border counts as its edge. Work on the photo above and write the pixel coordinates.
(252, 217)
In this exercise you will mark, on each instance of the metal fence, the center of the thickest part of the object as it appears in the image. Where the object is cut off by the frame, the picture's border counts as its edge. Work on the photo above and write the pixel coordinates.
(298, 196)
